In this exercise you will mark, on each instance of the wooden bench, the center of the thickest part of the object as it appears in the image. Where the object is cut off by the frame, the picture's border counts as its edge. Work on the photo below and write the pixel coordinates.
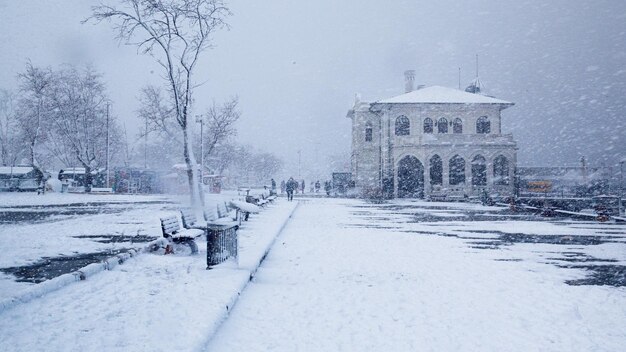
(174, 233)
(190, 221)
(243, 209)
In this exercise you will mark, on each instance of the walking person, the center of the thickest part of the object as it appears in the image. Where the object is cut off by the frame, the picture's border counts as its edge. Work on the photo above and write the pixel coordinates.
(282, 186)
(303, 185)
(290, 187)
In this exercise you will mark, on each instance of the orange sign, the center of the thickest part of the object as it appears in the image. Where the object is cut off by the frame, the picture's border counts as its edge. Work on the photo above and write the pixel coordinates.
(539, 186)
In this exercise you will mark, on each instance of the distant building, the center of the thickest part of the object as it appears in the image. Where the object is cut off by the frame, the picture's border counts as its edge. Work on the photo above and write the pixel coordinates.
(432, 141)
(562, 181)
(74, 178)
(19, 178)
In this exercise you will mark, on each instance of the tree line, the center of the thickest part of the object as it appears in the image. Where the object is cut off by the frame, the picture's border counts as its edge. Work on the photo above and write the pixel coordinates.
(64, 114)
(63, 118)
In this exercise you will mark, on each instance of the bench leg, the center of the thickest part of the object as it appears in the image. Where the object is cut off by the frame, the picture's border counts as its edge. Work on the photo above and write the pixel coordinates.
(194, 247)
(188, 242)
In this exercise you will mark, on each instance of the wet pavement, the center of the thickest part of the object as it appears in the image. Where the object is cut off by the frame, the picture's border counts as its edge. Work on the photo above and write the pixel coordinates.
(599, 271)
(50, 267)
(35, 214)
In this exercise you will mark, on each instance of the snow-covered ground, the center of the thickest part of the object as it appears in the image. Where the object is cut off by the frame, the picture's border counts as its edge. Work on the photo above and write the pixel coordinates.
(345, 275)
(150, 303)
(352, 277)
(59, 225)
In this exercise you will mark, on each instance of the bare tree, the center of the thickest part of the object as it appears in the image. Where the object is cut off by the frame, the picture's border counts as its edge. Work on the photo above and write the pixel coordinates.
(79, 126)
(220, 125)
(10, 136)
(244, 165)
(175, 33)
(33, 109)
(159, 116)
(266, 165)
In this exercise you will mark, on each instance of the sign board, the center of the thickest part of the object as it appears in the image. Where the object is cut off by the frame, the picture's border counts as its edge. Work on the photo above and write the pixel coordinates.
(539, 186)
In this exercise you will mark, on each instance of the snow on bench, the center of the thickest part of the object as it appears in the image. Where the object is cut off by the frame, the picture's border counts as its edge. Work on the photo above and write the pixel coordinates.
(174, 233)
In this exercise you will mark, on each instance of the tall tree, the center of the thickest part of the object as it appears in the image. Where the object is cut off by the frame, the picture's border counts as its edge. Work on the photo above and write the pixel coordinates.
(175, 33)
(80, 120)
(220, 126)
(33, 110)
(10, 136)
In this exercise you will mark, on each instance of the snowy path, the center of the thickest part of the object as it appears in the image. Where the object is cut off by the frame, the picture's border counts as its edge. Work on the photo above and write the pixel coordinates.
(330, 286)
(150, 303)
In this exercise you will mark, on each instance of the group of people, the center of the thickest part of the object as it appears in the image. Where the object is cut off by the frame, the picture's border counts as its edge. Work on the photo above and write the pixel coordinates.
(292, 186)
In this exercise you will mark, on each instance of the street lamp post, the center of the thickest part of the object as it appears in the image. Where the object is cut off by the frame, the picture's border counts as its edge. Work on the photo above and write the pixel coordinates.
(107, 150)
(299, 159)
(621, 184)
(201, 122)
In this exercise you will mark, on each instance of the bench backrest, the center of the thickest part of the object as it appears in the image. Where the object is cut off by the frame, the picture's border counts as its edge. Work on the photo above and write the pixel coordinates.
(210, 213)
(188, 217)
(222, 211)
(170, 225)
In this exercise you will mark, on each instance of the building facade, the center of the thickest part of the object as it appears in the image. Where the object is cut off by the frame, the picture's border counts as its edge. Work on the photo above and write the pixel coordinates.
(430, 142)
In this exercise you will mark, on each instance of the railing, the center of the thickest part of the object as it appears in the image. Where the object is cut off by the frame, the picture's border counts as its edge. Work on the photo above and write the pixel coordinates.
(221, 244)
(453, 138)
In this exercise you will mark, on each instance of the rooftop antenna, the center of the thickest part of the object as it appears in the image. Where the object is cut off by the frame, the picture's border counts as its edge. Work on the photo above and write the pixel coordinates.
(459, 78)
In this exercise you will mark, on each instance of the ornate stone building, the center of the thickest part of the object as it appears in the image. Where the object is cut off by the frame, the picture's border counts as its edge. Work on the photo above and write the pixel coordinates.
(432, 141)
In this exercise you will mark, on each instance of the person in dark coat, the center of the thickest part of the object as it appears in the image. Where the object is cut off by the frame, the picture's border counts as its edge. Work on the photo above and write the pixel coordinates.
(290, 187)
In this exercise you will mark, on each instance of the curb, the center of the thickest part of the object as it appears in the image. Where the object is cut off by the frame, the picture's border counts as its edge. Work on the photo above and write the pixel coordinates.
(235, 297)
(64, 280)
(48, 286)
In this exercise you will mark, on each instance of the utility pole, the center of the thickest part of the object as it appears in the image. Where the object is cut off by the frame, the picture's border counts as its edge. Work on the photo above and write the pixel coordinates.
(107, 163)
(299, 157)
(201, 121)
(145, 147)
(621, 184)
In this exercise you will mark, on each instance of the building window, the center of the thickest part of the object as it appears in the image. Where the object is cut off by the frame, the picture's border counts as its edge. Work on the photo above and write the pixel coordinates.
(368, 133)
(479, 171)
(457, 170)
(501, 170)
(428, 125)
(442, 125)
(436, 170)
(403, 126)
(483, 126)
(457, 126)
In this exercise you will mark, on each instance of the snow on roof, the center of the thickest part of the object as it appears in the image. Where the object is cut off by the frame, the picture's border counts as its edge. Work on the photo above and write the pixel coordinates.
(15, 170)
(440, 95)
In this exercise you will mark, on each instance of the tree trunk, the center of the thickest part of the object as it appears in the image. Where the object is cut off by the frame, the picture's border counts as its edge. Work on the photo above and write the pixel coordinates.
(88, 179)
(197, 199)
(35, 167)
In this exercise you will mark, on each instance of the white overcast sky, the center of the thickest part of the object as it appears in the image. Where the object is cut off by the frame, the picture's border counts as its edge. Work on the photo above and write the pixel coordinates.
(296, 66)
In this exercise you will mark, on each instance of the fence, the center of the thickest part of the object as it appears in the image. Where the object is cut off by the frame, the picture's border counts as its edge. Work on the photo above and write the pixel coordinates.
(221, 244)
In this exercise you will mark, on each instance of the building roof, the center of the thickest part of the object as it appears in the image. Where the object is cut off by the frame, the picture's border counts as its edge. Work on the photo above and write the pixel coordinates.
(15, 170)
(442, 95)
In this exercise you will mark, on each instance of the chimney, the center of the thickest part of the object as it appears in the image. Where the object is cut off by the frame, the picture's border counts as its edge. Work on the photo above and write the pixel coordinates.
(409, 81)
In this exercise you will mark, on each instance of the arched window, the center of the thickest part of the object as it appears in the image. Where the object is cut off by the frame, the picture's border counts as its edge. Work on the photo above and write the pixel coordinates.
(501, 170)
(457, 126)
(483, 125)
(368, 133)
(436, 170)
(428, 125)
(403, 126)
(479, 171)
(442, 125)
(457, 170)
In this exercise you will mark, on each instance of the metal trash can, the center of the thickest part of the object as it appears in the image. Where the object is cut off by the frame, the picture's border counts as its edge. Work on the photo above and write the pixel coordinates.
(221, 243)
